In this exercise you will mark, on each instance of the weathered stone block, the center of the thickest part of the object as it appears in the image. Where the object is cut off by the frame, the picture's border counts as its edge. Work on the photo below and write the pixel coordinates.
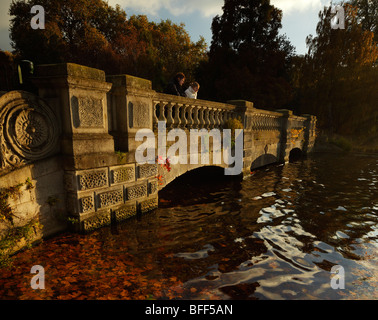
(125, 212)
(135, 192)
(152, 186)
(148, 205)
(122, 174)
(147, 171)
(93, 179)
(110, 198)
(87, 204)
(97, 221)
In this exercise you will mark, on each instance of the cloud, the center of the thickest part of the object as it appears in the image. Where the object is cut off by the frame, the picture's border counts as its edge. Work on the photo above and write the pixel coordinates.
(291, 6)
(208, 8)
(4, 16)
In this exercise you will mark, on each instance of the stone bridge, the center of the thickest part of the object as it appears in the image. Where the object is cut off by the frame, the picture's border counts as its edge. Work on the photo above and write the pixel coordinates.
(76, 141)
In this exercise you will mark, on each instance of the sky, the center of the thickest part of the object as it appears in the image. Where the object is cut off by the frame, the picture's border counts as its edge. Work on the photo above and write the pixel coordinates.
(300, 17)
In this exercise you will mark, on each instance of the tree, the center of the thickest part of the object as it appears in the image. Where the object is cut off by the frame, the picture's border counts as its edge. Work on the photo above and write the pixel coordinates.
(337, 74)
(367, 14)
(169, 49)
(248, 57)
(92, 33)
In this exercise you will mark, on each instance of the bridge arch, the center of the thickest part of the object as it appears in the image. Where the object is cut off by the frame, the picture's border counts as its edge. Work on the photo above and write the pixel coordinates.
(178, 171)
(295, 155)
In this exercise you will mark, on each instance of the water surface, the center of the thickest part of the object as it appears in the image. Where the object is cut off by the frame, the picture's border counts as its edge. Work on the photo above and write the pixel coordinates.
(274, 235)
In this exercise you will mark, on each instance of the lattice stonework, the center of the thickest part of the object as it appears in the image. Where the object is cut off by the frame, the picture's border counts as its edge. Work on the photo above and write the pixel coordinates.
(110, 198)
(148, 205)
(123, 175)
(87, 204)
(125, 212)
(135, 192)
(89, 113)
(93, 179)
(96, 222)
(152, 187)
(147, 170)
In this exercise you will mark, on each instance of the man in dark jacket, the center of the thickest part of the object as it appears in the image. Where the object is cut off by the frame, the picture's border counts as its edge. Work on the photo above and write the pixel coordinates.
(175, 87)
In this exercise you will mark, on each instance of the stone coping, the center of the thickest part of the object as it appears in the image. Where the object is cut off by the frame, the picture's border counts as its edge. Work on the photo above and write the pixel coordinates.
(69, 69)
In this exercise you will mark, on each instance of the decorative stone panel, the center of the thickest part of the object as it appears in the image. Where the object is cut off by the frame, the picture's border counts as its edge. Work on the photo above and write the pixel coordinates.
(122, 174)
(97, 221)
(110, 198)
(93, 179)
(125, 212)
(29, 129)
(87, 112)
(135, 192)
(147, 171)
(87, 204)
(148, 205)
(139, 114)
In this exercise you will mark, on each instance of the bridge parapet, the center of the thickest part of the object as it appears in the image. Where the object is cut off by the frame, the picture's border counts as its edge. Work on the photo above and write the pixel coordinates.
(96, 119)
(185, 113)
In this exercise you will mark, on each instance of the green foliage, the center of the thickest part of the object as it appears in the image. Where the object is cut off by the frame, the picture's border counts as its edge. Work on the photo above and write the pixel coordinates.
(14, 234)
(233, 124)
(52, 200)
(6, 212)
(341, 142)
(29, 184)
(121, 156)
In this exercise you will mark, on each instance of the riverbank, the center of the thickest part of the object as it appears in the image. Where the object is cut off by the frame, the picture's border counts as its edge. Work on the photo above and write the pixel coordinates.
(335, 143)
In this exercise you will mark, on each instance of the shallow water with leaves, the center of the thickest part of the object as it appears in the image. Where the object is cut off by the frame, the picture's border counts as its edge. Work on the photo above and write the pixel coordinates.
(274, 235)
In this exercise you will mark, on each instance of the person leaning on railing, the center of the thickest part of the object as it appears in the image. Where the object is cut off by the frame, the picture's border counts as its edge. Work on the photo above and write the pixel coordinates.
(175, 86)
(191, 92)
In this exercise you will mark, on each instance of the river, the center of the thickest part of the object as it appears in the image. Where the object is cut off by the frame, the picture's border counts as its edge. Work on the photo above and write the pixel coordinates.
(277, 234)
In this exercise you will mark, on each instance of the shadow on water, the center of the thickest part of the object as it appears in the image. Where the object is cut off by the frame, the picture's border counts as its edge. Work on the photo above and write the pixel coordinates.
(199, 186)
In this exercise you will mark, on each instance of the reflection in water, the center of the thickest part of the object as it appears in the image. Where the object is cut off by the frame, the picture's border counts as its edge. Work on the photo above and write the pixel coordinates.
(273, 235)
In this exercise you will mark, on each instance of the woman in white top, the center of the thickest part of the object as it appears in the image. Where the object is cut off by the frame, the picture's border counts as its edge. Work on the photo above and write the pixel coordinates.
(191, 92)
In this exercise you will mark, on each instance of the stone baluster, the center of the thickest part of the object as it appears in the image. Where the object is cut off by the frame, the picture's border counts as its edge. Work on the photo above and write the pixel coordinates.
(201, 113)
(212, 118)
(206, 124)
(195, 115)
(217, 118)
(224, 118)
(184, 121)
(190, 120)
(170, 120)
(161, 111)
(177, 121)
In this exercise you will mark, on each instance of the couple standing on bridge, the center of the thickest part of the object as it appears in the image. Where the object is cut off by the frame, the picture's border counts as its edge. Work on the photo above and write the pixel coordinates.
(175, 87)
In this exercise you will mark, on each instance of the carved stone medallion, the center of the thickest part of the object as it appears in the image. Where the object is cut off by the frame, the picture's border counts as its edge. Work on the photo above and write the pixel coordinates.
(29, 129)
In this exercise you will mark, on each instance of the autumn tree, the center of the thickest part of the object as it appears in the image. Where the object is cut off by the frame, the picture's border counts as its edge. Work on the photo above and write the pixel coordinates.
(367, 15)
(337, 75)
(95, 34)
(248, 57)
(169, 50)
